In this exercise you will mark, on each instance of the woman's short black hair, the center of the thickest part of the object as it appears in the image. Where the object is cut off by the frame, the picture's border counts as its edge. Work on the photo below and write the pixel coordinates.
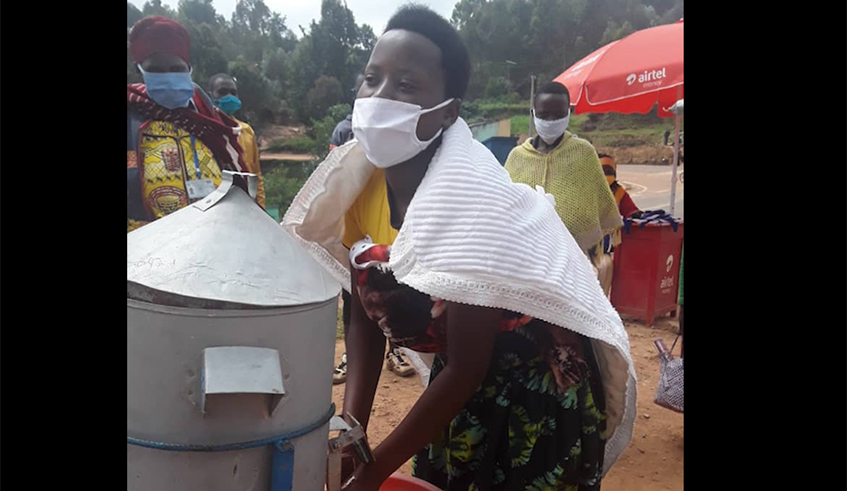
(553, 88)
(454, 54)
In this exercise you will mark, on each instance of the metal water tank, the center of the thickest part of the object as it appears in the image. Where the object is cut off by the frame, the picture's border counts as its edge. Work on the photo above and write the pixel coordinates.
(230, 339)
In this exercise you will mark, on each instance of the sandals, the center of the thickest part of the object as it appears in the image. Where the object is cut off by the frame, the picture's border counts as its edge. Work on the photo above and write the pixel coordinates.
(340, 374)
(397, 363)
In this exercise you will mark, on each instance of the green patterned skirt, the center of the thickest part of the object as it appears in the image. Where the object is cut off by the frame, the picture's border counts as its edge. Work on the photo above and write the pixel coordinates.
(535, 424)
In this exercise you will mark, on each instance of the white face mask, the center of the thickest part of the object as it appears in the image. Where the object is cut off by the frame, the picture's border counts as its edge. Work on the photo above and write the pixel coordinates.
(550, 131)
(387, 129)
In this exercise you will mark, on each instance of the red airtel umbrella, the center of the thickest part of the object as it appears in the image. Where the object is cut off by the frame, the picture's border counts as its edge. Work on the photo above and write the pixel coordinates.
(632, 75)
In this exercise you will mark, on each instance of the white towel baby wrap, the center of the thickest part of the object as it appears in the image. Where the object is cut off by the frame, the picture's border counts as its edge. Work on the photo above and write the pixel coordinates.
(472, 236)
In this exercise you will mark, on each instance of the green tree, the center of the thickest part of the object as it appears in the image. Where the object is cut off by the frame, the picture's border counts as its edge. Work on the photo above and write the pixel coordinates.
(545, 37)
(276, 65)
(281, 77)
(663, 6)
(133, 15)
(303, 71)
(615, 32)
(673, 14)
(155, 7)
(258, 103)
(207, 54)
(340, 48)
(327, 92)
(252, 15)
(334, 46)
(198, 11)
(250, 30)
(280, 36)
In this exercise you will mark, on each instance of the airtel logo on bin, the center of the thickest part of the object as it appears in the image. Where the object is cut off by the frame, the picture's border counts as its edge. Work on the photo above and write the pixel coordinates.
(667, 281)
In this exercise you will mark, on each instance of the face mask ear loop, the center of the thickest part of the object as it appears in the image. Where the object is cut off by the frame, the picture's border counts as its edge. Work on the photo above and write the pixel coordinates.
(432, 109)
(437, 107)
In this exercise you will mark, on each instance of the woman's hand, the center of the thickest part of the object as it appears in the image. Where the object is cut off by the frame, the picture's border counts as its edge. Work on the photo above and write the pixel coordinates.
(471, 334)
(365, 354)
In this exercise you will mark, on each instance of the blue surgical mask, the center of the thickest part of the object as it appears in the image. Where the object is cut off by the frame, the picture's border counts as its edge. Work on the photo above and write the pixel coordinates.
(171, 90)
(229, 104)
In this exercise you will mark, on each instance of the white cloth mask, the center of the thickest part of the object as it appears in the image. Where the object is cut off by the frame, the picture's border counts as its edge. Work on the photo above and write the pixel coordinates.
(387, 129)
(550, 131)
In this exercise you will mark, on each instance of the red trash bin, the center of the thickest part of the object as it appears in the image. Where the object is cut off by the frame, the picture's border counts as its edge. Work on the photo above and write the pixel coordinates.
(645, 282)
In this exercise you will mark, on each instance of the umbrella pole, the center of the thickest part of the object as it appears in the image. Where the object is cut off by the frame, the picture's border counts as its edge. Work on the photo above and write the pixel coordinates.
(675, 163)
(675, 154)
(531, 102)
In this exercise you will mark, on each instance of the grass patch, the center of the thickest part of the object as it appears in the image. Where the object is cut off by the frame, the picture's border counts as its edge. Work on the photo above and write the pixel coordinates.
(520, 125)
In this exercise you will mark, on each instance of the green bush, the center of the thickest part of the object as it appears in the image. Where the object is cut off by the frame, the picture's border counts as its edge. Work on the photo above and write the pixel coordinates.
(323, 129)
(497, 87)
(282, 183)
(513, 98)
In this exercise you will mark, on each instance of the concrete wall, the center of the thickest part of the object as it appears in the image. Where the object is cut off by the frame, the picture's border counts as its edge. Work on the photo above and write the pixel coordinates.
(484, 131)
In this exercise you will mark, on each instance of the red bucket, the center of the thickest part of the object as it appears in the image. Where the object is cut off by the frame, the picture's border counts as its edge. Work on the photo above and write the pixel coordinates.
(400, 482)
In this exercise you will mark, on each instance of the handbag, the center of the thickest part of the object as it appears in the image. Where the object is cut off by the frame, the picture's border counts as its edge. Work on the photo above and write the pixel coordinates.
(671, 389)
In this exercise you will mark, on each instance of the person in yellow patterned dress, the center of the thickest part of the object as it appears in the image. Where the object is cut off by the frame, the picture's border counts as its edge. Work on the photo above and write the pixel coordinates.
(177, 143)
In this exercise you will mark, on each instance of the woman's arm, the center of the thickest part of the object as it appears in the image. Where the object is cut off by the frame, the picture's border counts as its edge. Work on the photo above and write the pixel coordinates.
(627, 206)
(471, 333)
(365, 351)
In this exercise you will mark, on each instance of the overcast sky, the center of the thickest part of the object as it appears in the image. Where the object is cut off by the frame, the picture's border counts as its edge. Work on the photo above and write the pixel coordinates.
(301, 12)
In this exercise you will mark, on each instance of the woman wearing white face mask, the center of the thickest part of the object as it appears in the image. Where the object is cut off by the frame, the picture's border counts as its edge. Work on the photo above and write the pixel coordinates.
(568, 168)
(514, 401)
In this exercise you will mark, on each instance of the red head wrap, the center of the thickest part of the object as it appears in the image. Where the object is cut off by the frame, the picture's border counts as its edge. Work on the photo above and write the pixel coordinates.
(159, 34)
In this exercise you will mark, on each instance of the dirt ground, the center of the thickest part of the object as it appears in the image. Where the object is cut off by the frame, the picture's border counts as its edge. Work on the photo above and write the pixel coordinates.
(652, 462)
(278, 132)
(299, 157)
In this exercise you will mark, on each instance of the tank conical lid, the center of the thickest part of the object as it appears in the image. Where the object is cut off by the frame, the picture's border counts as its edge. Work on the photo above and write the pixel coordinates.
(230, 252)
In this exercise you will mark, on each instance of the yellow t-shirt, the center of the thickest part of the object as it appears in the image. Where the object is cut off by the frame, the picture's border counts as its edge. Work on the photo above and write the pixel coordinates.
(370, 215)
(247, 140)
